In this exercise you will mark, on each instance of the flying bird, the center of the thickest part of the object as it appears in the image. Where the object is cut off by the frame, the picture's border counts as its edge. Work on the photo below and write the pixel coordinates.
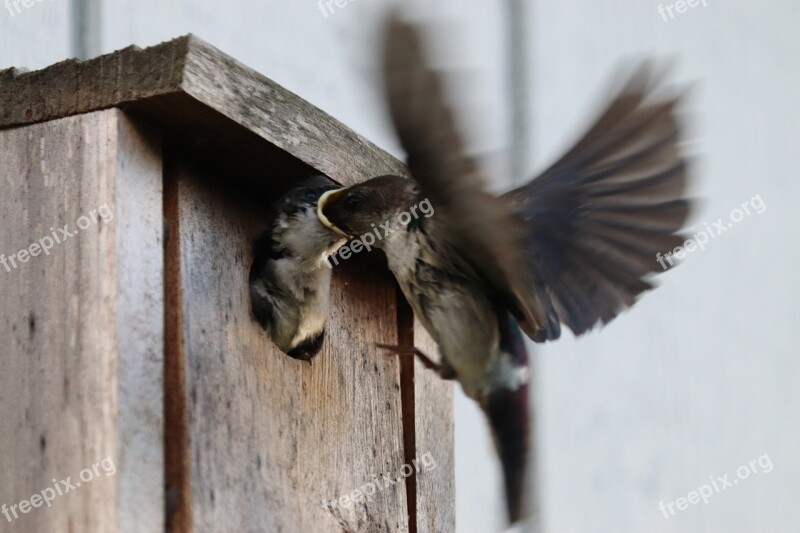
(289, 278)
(573, 247)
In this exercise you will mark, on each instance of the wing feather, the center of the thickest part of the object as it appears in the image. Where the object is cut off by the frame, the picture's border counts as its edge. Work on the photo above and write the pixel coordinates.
(596, 219)
(575, 245)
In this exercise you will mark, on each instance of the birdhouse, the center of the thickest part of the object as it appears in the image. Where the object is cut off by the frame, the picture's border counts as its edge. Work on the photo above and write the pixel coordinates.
(137, 391)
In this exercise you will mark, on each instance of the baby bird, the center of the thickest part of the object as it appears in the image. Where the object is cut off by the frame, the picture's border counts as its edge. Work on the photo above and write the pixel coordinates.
(290, 278)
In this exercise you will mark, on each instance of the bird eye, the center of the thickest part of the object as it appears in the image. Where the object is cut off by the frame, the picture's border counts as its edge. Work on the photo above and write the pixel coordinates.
(311, 195)
(352, 202)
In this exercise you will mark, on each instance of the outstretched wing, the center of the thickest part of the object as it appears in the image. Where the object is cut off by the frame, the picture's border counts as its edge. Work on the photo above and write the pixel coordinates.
(596, 220)
(474, 225)
(572, 246)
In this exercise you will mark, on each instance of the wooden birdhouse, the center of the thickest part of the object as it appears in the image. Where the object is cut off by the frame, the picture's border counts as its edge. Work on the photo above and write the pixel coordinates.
(133, 188)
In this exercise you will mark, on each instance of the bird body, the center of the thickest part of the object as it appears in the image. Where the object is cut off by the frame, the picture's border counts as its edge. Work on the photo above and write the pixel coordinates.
(572, 247)
(289, 279)
(480, 344)
(440, 288)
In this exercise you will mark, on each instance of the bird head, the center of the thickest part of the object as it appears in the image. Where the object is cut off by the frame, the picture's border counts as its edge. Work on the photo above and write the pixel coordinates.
(306, 194)
(298, 211)
(359, 209)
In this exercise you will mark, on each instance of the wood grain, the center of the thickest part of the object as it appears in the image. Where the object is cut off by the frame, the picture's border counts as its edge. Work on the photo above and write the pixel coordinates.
(428, 429)
(433, 420)
(271, 437)
(206, 101)
(253, 441)
(82, 326)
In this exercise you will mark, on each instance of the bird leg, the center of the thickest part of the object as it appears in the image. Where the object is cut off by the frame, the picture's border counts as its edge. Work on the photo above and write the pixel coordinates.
(443, 369)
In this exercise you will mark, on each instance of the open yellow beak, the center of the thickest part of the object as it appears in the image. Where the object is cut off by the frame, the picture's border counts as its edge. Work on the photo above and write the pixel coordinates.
(321, 215)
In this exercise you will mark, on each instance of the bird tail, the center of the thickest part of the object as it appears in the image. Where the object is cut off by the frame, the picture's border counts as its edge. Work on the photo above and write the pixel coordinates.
(508, 412)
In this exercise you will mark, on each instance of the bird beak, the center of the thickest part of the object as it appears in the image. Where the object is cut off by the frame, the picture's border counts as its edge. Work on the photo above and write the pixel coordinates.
(508, 417)
(324, 199)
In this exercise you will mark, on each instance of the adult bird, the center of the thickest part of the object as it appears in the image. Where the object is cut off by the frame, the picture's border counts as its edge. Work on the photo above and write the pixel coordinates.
(572, 247)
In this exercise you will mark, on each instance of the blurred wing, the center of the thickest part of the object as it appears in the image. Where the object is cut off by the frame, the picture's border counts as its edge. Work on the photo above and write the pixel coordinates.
(475, 224)
(596, 219)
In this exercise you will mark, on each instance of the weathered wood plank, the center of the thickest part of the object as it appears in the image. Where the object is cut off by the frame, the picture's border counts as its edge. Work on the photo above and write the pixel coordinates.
(270, 437)
(433, 419)
(140, 325)
(428, 430)
(216, 110)
(81, 326)
(208, 101)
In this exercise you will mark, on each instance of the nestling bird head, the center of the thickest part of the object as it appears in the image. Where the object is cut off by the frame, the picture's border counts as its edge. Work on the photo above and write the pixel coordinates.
(360, 209)
(305, 195)
(298, 231)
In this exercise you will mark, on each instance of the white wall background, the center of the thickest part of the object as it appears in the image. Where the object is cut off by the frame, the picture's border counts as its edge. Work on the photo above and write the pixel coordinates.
(37, 36)
(701, 376)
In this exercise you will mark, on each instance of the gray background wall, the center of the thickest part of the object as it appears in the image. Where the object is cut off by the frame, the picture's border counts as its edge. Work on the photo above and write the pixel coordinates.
(700, 377)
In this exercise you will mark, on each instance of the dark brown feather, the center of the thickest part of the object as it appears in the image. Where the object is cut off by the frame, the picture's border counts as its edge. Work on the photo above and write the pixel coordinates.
(596, 219)
(474, 223)
(574, 245)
